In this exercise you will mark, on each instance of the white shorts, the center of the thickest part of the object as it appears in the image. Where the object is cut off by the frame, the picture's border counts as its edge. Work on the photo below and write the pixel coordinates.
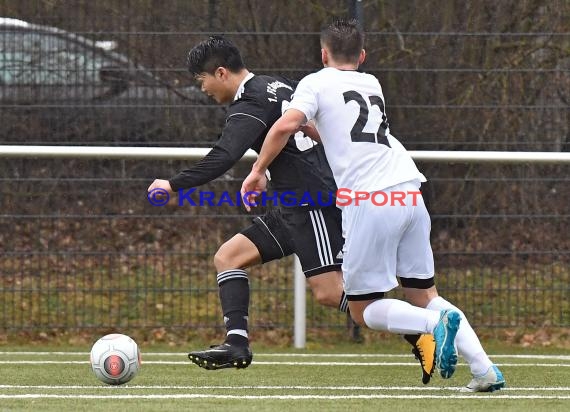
(383, 242)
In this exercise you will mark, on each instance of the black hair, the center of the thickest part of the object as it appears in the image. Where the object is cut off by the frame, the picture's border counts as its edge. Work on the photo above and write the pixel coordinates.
(344, 38)
(212, 53)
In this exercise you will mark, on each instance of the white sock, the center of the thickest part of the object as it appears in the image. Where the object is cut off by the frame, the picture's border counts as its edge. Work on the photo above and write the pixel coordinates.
(241, 332)
(467, 342)
(399, 317)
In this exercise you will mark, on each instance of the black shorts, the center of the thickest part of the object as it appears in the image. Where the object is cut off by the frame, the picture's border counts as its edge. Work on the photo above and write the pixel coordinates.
(315, 236)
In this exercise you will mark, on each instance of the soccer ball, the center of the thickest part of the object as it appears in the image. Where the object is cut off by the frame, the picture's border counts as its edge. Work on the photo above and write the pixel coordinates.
(115, 359)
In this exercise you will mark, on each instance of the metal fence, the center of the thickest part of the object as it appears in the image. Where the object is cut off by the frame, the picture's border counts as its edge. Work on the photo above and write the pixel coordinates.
(85, 251)
(82, 248)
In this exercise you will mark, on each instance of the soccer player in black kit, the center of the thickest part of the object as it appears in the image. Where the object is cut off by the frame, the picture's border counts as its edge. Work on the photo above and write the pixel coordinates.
(310, 231)
(304, 227)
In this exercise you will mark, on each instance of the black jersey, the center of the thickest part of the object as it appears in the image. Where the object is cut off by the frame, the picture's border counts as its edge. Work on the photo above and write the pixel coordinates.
(301, 168)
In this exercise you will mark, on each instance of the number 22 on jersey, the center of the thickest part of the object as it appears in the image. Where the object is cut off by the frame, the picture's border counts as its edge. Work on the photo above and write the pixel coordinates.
(357, 133)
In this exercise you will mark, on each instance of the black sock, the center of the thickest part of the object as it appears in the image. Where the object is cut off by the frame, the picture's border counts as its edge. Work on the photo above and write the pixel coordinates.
(234, 297)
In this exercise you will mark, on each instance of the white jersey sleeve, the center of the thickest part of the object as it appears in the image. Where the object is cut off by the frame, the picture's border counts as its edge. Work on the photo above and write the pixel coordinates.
(349, 113)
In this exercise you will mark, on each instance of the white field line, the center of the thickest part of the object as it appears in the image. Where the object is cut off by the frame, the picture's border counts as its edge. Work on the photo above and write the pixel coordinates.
(493, 397)
(293, 355)
(275, 387)
(260, 363)
(281, 397)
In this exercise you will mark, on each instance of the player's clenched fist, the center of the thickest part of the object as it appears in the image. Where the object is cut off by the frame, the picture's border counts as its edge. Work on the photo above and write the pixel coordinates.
(253, 185)
(160, 184)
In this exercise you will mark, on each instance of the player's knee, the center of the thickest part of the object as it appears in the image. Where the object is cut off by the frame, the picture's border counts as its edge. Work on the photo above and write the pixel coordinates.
(219, 260)
(325, 297)
(224, 260)
(232, 256)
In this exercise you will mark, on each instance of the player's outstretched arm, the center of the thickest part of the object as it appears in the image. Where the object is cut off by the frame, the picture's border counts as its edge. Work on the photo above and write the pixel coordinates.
(275, 141)
(239, 135)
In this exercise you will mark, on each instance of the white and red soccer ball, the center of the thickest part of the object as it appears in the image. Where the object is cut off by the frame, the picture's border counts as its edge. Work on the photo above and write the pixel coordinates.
(115, 359)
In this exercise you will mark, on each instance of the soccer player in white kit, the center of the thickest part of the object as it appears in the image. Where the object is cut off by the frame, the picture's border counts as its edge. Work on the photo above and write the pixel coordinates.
(385, 221)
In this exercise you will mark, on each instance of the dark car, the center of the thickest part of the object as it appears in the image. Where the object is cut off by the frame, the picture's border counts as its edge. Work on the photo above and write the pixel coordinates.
(58, 87)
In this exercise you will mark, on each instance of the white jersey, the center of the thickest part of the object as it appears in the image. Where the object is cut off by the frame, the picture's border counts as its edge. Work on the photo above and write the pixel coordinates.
(348, 110)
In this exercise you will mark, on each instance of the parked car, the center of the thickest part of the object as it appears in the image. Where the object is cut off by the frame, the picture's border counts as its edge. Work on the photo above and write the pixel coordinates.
(58, 87)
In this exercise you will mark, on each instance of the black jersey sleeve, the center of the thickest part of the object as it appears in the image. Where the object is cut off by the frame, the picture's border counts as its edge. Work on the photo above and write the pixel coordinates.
(241, 133)
(213, 165)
